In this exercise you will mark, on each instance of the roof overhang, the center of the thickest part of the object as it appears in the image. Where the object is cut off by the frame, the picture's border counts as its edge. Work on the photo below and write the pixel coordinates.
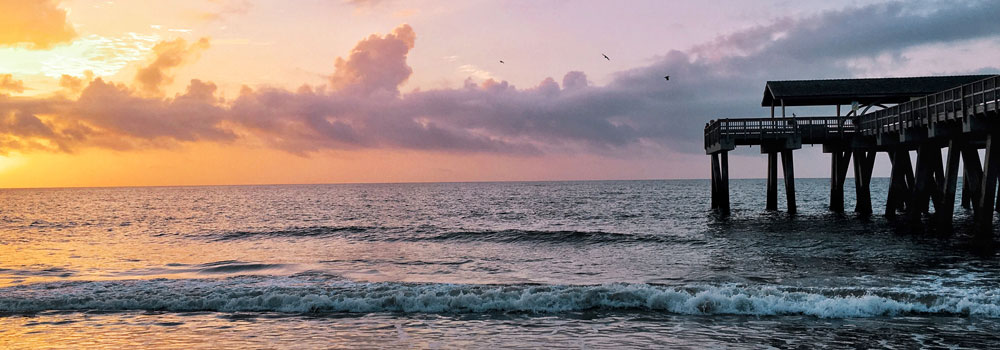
(864, 91)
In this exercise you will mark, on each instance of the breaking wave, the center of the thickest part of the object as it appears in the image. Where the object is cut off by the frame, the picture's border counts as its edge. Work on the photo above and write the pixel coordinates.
(310, 294)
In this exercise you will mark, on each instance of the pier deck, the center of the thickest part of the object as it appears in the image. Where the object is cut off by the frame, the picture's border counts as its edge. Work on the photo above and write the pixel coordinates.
(961, 113)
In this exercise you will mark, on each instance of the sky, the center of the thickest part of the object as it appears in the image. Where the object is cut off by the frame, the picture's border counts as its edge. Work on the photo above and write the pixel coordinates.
(131, 93)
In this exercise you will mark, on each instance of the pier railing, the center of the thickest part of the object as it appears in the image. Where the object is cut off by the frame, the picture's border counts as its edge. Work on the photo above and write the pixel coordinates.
(757, 130)
(953, 104)
(978, 98)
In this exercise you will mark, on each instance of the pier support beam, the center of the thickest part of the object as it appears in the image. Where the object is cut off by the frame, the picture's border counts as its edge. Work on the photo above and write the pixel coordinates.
(715, 181)
(988, 189)
(863, 164)
(899, 189)
(927, 184)
(973, 176)
(724, 159)
(966, 194)
(772, 181)
(720, 183)
(789, 169)
(997, 207)
(946, 211)
(838, 174)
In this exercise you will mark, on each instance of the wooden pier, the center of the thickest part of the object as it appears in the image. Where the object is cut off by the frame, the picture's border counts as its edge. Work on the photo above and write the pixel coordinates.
(890, 115)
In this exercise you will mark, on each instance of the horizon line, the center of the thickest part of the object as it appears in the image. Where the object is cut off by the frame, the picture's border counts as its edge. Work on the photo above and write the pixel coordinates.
(393, 183)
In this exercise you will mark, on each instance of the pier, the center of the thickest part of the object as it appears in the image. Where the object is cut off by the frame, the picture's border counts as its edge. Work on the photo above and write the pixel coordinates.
(893, 116)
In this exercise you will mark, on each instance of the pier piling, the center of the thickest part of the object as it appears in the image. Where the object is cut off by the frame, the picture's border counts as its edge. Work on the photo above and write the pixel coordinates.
(988, 190)
(720, 183)
(772, 181)
(788, 166)
(946, 212)
(838, 175)
(900, 185)
(864, 163)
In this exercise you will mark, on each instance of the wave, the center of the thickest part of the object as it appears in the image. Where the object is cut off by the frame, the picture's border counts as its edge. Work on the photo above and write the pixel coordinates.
(561, 236)
(370, 233)
(297, 232)
(320, 294)
(225, 267)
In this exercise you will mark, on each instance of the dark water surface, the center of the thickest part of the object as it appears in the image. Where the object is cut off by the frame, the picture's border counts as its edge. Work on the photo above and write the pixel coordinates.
(482, 265)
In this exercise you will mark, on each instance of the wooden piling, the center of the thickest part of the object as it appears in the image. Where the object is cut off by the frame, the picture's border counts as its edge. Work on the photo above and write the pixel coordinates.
(997, 206)
(789, 170)
(928, 159)
(897, 182)
(772, 181)
(973, 175)
(715, 182)
(720, 183)
(938, 176)
(966, 194)
(863, 163)
(838, 174)
(988, 189)
(946, 212)
(724, 183)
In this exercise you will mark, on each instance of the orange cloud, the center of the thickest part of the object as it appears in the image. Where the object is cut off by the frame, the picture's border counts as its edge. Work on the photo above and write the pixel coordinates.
(7, 83)
(169, 55)
(112, 116)
(36, 24)
(75, 84)
(376, 64)
(361, 109)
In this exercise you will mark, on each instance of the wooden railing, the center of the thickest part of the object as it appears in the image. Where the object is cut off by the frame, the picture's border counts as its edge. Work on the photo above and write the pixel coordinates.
(952, 104)
(747, 130)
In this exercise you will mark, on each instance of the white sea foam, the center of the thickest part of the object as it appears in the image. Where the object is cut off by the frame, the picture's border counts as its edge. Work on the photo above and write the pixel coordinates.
(297, 295)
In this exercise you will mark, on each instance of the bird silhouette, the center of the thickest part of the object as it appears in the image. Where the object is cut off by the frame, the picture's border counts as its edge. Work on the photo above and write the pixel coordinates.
(667, 77)
(501, 61)
(606, 57)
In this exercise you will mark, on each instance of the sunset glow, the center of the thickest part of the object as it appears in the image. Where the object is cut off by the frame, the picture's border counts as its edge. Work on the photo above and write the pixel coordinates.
(499, 174)
(232, 92)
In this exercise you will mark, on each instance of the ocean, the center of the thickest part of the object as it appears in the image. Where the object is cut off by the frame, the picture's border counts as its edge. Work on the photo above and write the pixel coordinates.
(593, 264)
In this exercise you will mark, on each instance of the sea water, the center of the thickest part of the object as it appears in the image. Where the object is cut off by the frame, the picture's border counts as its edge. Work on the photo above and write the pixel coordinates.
(483, 265)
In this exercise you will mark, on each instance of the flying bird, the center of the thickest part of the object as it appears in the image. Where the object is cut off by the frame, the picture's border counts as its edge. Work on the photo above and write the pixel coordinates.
(667, 77)
(501, 61)
(606, 57)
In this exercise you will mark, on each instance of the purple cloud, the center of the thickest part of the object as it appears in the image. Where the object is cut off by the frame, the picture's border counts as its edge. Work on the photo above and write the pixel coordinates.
(361, 107)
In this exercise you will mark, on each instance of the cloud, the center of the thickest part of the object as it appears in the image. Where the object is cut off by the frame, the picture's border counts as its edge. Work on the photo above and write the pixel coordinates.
(366, 4)
(376, 65)
(36, 24)
(116, 116)
(191, 116)
(473, 71)
(719, 79)
(75, 84)
(169, 55)
(113, 116)
(361, 106)
(7, 83)
(228, 8)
